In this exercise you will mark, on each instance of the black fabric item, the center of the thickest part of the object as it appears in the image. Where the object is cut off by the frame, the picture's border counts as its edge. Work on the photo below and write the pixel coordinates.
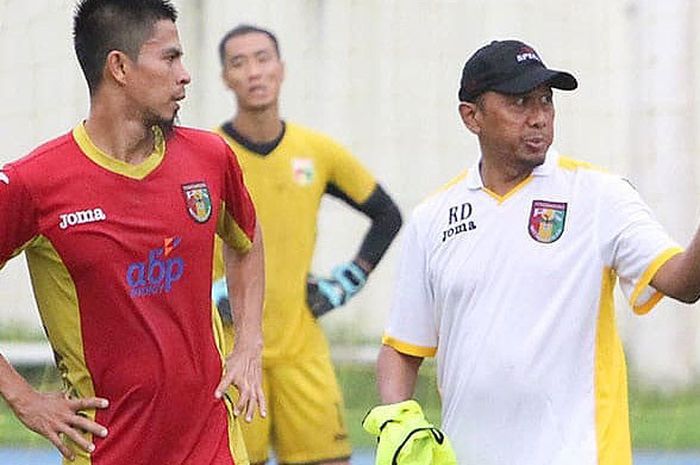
(262, 149)
(385, 217)
(224, 308)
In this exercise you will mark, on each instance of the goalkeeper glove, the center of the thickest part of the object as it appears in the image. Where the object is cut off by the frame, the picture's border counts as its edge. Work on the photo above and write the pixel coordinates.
(351, 278)
(405, 437)
(325, 294)
(219, 294)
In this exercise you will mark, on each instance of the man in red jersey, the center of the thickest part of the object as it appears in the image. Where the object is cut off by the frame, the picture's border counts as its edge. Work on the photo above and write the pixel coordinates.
(117, 219)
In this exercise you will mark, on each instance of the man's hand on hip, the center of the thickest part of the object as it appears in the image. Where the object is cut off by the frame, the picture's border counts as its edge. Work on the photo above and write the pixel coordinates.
(326, 294)
(54, 414)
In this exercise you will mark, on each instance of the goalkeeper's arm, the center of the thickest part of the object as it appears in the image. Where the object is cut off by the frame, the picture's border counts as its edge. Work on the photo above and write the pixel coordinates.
(327, 293)
(386, 222)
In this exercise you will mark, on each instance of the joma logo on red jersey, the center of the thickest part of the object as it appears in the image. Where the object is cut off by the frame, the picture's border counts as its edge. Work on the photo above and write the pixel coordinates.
(81, 217)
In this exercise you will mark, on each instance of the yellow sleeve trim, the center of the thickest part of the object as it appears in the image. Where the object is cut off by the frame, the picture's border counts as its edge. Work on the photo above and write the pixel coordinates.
(409, 349)
(648, 275)
(452, 182)
(231, 233)
(572, 164)
(447, 185)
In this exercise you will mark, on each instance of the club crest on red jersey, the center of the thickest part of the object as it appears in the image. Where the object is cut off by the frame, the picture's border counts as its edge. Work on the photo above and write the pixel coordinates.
(547, 220)
(197, 201)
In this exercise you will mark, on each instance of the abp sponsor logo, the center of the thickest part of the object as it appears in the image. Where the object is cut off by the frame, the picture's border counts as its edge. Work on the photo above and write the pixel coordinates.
(159, 273)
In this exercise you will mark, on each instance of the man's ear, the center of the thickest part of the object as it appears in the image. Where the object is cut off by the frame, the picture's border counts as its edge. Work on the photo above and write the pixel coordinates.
(470, 113)
(116, 66)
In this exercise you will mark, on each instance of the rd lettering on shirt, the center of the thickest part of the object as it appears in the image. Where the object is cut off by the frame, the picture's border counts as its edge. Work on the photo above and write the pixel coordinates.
(458, 216)
(81, 217)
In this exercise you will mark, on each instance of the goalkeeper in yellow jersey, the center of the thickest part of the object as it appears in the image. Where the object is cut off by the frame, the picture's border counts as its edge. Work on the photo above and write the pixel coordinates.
(288, 168)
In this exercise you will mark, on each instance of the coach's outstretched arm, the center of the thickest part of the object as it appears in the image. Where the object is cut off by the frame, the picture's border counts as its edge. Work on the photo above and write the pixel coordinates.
(396, 375)
(50, 414)
(679, 277)
(245, 275)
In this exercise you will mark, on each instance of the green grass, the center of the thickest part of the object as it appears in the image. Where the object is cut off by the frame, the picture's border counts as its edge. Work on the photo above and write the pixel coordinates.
(659, 421)
(665, 421)
(20, 333)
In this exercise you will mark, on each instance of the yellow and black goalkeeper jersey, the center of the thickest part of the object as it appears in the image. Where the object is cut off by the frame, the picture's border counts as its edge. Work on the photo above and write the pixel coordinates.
(286, 185)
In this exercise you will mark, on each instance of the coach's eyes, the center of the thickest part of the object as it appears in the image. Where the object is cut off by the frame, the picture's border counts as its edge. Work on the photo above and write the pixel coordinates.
(522, 101)
(518, 101)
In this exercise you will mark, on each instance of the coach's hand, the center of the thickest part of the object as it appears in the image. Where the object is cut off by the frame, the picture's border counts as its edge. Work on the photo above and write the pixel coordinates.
(325, 294)
(405, 437)
(219, 295)
(54, 414)
(243, 369)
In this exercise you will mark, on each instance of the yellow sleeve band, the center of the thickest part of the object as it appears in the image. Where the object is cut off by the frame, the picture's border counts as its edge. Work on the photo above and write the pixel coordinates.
(231, 233)
(409, 349)
(648, 275)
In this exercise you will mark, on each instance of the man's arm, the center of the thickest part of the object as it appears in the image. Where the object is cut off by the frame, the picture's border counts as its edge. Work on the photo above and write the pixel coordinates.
(325, 294)
(396, 375)
(386, 222)
(679, 277)
(50, 414)
(245, 275)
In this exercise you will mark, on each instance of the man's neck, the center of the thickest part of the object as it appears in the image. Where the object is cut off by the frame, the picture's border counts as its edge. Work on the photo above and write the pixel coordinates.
(258, 127)
(117, 135)
(501, 177)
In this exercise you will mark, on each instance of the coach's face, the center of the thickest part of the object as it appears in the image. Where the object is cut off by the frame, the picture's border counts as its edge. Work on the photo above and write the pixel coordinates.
(515, 129)
(253, 71)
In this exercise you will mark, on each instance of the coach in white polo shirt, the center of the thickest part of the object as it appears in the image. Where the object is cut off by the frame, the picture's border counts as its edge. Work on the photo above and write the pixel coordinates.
(507, 277)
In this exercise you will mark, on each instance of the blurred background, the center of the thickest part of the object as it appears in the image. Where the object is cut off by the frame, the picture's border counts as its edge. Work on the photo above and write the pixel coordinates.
(381, 77)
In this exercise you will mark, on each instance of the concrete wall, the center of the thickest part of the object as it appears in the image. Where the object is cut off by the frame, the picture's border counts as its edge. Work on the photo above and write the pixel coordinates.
(381, 77)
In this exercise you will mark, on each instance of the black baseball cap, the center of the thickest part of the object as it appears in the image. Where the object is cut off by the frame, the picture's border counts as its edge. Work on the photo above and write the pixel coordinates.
(508, 67)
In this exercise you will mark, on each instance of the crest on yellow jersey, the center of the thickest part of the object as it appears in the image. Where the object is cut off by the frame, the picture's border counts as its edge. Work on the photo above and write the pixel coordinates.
(303, 171)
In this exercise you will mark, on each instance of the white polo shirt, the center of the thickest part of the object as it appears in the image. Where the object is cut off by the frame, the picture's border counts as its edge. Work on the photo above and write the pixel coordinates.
(515, 296)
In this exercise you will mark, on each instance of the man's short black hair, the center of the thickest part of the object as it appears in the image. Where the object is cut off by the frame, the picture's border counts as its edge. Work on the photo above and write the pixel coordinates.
(243, 29)
(101, 26)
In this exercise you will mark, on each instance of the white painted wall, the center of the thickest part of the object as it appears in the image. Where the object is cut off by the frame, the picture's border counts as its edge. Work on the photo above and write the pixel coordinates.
(381, 77)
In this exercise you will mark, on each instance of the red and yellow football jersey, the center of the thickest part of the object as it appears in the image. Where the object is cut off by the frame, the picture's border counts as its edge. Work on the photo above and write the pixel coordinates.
(119, 256)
